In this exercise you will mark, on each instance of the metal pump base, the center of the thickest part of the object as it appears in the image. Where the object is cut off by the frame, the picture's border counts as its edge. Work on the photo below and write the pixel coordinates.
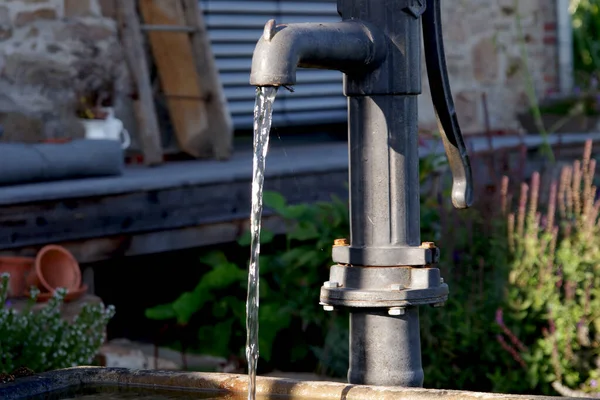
(385, 345)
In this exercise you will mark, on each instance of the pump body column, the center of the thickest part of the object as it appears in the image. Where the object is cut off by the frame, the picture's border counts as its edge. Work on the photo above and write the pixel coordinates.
(384, 273)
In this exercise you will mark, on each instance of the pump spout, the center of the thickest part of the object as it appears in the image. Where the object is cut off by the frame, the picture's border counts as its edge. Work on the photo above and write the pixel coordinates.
(352, 47)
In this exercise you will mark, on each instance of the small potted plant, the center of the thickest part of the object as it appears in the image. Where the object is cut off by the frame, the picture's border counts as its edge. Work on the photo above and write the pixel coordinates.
(96, 87)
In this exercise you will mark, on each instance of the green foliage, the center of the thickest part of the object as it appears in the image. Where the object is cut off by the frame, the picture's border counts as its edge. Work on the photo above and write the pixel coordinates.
(552, 314)
(42, 340)
(457, 341)
(290, 277)
(524, 296)
(586, 34)
(522, 316)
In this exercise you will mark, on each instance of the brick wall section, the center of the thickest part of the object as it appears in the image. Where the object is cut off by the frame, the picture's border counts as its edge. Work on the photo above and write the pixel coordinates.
(484, 56)
(482, 48)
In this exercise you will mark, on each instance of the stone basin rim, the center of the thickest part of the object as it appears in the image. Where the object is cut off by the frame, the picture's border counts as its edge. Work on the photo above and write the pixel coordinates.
(230, 383)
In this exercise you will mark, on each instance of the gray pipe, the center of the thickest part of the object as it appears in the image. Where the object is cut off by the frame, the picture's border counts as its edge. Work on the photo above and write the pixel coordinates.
(26, 163)
(347, 46)
(384, 176)
(385, 349)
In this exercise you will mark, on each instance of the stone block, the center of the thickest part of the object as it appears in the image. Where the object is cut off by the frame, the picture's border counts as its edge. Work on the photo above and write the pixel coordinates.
(454, 26)
(35, 83)
(5, 25)
(80, 8)
(485, 61)
(123, 353)
(92, 32)
(68, 311)
(37, 69)
(115, 356)
(28, 17)
(108, 8)
(20, 128)
(468, 104)
(33, 33)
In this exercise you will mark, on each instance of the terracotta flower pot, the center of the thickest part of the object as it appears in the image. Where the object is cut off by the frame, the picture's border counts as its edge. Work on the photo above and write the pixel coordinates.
(18, 268)
(55, 267)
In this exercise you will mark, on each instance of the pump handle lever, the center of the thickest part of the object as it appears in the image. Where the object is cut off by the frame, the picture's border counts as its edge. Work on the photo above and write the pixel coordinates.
(437, 71)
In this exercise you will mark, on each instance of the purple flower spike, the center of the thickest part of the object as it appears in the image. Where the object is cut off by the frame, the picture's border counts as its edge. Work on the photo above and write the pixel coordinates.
(499, 317)
(594, 383)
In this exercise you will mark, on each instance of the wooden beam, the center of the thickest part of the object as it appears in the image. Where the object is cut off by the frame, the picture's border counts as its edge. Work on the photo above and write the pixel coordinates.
(175, 63)
(220, 123)
(131, 37)
(100, 249)
(167, 28)
(140, 212)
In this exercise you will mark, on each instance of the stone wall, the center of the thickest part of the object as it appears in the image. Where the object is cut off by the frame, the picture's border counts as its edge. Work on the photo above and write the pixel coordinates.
(44, 43)
(484, 57)
(49, 48)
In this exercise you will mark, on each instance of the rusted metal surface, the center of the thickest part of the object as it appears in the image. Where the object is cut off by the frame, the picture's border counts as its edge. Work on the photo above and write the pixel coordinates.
(232, 384)
(341, 242)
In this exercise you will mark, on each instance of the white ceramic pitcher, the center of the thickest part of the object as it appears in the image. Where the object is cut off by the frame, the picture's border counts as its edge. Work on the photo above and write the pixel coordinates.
(109, 128)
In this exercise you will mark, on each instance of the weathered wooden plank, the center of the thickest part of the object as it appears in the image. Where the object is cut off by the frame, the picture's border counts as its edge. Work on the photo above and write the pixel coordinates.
(220, 123)
(135, 244)
(131, 37)
(141, 212)
(174, 59)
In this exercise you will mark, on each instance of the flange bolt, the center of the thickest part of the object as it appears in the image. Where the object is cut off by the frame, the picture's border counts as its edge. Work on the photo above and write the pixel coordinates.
(394, 311)
(341, 242)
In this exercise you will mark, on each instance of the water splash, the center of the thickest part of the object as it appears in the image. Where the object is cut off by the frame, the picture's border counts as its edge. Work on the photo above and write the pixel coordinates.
(263, 112)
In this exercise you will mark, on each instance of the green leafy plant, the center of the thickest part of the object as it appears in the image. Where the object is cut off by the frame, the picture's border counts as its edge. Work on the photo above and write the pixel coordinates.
(553, 292)
(291, 272)
(42, 340)
(586, 31)
(505, 303)
(290, 277)
(474, 265)
(523, 296)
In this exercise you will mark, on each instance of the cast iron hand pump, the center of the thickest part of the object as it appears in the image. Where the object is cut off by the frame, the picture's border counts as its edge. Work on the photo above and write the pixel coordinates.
(384, 272)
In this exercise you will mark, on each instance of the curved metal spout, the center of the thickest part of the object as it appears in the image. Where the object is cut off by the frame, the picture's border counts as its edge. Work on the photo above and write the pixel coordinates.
(347, 46)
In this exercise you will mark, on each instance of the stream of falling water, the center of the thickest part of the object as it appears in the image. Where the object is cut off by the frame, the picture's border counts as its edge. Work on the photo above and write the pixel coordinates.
(263, 112)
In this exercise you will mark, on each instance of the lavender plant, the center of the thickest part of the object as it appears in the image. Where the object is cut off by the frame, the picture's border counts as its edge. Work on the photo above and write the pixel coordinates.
(553, 293)
(42, 340)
